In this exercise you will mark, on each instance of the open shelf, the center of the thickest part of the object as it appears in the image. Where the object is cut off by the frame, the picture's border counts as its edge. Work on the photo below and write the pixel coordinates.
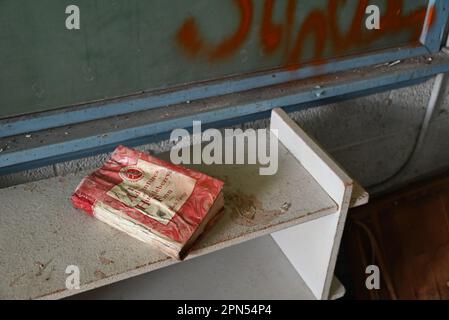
(253, 269)
(41, 233)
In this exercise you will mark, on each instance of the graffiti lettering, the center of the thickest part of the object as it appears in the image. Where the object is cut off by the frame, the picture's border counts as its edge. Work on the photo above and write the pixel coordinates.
(271, 33)
(320, 24)
(189, 36)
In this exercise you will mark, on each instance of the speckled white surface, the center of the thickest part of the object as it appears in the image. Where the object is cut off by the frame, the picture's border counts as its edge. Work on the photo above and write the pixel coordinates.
(41, 234)
(256, 269)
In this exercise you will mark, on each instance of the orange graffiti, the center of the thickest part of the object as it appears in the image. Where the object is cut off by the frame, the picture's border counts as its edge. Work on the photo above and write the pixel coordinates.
(189, 36)
(354, 35)
(321, 26)
(312, 25)
(392, 21)
(431, 17)
(271, 34)
(290, 21)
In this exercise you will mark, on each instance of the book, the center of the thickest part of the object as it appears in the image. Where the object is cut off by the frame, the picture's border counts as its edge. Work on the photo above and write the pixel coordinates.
(159, 203)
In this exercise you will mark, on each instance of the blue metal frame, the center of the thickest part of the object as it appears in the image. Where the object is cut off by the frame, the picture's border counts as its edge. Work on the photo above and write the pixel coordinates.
(96, 143)
(431, 40)
(31, 123)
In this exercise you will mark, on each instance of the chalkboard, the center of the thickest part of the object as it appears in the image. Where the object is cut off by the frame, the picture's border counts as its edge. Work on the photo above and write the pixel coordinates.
(126, 47)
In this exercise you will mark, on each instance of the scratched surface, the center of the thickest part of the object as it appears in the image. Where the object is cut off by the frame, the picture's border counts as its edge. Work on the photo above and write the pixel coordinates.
(127, 47)
(41, 234)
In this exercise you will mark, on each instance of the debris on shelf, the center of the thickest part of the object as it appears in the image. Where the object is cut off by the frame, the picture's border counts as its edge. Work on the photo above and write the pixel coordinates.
(394, 63)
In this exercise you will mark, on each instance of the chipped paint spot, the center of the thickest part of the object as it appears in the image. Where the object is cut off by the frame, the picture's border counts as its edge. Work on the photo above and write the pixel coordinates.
(99, 274)
(106, 261)
(247, 210)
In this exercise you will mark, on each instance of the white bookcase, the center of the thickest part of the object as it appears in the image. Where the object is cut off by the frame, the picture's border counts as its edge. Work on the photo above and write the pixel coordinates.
(303, 207)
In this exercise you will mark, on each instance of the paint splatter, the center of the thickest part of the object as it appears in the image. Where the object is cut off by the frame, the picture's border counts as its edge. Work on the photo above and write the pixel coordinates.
(319, 25)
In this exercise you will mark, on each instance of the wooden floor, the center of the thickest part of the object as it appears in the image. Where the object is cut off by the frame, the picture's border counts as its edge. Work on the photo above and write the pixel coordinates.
(407, 235)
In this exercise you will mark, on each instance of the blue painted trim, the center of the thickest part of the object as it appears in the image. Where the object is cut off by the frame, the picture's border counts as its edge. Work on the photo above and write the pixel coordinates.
(219, 124)
(9, 160)
(433, 39)
(31, 123)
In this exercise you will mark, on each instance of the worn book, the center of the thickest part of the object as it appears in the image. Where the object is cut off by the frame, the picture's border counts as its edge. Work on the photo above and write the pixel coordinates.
(164, 205)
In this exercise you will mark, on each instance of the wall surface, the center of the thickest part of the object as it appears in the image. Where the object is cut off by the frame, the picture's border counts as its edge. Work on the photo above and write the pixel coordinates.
(126, 47)
(371, 137)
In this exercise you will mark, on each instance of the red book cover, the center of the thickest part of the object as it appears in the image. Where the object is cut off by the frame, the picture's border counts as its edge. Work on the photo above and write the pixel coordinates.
(152, 200)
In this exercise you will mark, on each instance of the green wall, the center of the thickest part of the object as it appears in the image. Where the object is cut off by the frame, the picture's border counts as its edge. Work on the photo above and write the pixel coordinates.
(125, 47)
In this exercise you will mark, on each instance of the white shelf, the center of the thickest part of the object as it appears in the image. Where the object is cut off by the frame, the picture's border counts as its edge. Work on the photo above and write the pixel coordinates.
(256, 269)
(41, 234)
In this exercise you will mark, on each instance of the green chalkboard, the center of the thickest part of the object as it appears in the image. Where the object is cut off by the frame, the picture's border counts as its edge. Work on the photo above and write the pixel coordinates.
(125, 47)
